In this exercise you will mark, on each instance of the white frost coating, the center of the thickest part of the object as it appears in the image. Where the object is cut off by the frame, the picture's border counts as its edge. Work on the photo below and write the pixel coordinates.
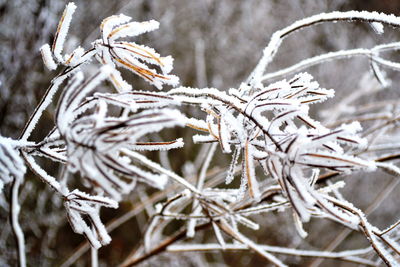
(225, 136)
(369, 230)
(80, 204)
(286, 115)
(221, 194)
(148, 234)
(231, 171)
(196, 123)
(277, 38)
(218, 235)
(377, 27)
(47, 57)
(150, 75)
(62, 30)
(159, 168)
(12, 168)
(348, 219)
(243, 239)
(63, 120)
(332, 187)
(299, 226)
(188, 91)
(145, 54)
(87, 56)
(45, 102)
(156, 181)
(273, 249)
(203, 138)
(100, 76)
(299, 205)
(94, 257)
(96, 199)
(166, 118)
(200, 184)
(312, 61)
(167, 64)
(119, 83)
(191, 225)
(169, 79)
(133, 100)
(44, 175)
(51, 154)
(352, 128)
(178, 143)
(158, 207)
(302, 187)
(109, 23)
(380, 75)
(279, 204)
(242, 189)
(249, 173)
(75, 58)
(387, 63)
(15, 210)
(246, 222)
(94, 141)
(142, 52)
(130, 55)
(341, 162)
(102, 54)
(389, 167)
(330, 56)
(133, 29)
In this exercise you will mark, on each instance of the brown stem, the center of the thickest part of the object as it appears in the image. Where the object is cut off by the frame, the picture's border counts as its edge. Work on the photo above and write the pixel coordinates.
(181, 235)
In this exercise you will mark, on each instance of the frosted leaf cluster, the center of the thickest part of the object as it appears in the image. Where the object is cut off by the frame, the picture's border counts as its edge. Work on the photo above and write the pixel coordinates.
(80, 205)
(271, 128)
(52, 56)
(95, 140)
(136, 58)
(110, 50)
(90, 138)
(272, 124)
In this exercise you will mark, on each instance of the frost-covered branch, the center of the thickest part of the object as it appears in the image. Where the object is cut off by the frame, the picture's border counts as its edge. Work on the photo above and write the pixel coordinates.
(372, 54)
(277, 38)
(12, 170)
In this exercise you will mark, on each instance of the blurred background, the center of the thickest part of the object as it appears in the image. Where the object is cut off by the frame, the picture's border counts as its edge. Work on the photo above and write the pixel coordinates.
(215, 44)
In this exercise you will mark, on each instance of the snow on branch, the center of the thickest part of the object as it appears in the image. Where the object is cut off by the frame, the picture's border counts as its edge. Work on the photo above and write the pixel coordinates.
(277, 38)
(372, 54)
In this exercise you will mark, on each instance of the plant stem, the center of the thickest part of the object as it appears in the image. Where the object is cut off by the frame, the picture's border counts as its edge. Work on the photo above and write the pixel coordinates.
(16, 227)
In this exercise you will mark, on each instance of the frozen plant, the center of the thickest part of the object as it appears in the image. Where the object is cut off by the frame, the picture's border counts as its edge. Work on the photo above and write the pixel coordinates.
(284, 157)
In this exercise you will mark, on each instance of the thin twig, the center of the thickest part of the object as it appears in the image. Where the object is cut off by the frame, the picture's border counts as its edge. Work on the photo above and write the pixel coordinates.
(348, 256)
(16, 227)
